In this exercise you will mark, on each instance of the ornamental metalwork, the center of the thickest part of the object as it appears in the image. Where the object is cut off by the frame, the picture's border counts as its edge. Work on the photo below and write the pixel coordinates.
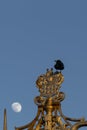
(49, 115)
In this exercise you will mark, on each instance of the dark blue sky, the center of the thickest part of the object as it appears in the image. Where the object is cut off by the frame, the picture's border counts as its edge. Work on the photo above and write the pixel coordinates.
(32, 35)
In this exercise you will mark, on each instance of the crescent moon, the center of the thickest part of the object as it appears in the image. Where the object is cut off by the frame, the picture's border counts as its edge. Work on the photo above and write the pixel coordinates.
(16, 107)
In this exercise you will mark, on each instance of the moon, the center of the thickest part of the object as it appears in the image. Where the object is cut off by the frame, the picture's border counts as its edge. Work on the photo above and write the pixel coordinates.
(16, 107)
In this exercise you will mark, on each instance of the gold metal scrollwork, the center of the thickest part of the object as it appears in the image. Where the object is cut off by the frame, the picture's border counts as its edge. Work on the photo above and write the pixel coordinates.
(79, 125)
(49, 115)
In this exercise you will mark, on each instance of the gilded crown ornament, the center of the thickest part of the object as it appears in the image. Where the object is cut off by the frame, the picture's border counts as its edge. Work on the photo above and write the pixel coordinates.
(49, 115)
(49, 83)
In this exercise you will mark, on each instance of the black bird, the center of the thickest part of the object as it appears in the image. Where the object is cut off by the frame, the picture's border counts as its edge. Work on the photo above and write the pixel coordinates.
(59, 65)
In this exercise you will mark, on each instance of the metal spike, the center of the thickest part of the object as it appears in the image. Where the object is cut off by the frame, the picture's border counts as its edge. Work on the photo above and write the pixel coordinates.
(5, 120)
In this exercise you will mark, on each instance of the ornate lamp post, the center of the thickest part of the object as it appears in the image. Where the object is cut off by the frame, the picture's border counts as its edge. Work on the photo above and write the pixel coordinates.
(49, 115)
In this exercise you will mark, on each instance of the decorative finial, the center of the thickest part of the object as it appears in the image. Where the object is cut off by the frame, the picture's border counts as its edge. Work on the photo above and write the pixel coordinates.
(49, 115)
(49, 83)
(49, 86)
(5, 120)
